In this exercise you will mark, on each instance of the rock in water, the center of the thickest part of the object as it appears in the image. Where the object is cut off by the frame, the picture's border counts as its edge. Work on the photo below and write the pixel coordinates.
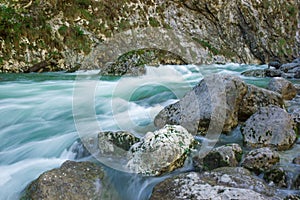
(260, 160)
(160, 151)
(115, 143)
(218, 101)
(213, 185)
(276, 176)
(255, 73)
(270, 126)
(223, 156)
(283, 87)
(133, 63)
(73, 180)
(256, 98)
(215, 99)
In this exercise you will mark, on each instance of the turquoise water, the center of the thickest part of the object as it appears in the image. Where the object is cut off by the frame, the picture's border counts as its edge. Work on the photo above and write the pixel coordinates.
(42, 116)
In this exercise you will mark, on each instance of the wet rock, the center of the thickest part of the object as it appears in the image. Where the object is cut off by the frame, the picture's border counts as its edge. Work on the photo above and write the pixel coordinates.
(273, 73)
(161, 151)
(260, 160)
(276, 176)
(200, 186)
(288, 66)
(223, 156)
(133, 62)
(215, 99)
(270, 126)
(296, 184)
(275, 64)
(283, 87)
(115, 143)
(296, 160)
(255, 73)
(256, 98)
(73, 180)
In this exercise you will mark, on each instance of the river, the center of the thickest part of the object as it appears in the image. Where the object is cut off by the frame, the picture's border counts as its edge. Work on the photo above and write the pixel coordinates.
(39, 129)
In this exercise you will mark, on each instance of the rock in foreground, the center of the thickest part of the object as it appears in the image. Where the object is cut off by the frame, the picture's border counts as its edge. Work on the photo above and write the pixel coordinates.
(195, 186)
(270, 126)
(160, 151)
(73, 180)
(260, 160)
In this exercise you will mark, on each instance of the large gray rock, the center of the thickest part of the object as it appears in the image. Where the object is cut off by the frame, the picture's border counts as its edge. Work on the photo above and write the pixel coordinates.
(218, 101)
(255, 98)
(73, 180)
(213, 185)
(215, 99)
(283, 87)
(270, 126)
(260, 160)
(160, 151)
(288, 66)
(223, 156)
(255, 73)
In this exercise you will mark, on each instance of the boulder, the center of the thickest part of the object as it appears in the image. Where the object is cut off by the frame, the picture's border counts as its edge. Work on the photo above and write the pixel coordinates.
(270, 126)
(273, 73)
(218, 101)
(223, 156)
(275, 64)
(210, 185)
(256, 98)
(260, 73)
(276, 176)
(73, 180)
(160, 151)
(283, 87)
(215, 98)
(260, 160)
(133, 63)
(288, 66)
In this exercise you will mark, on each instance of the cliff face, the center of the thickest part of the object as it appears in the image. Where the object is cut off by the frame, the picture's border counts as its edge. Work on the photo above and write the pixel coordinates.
(58, 35)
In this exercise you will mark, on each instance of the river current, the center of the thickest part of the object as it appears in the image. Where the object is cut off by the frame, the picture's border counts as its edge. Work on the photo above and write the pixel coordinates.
(39, 130)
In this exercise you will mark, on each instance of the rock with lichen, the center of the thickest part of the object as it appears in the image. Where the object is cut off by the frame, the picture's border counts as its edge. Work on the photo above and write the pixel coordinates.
(161, 151)
(133, 62)
(277, 176)
(223, 156)
(260, 160)
(212, 185)
(283, 87)
(73, 180)
(270, 126)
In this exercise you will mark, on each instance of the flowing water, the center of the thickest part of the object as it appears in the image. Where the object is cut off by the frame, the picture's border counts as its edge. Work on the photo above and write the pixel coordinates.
(39, 129)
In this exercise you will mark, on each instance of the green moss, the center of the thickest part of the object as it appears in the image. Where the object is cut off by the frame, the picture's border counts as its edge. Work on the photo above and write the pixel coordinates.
(206, 44)
(153, 22)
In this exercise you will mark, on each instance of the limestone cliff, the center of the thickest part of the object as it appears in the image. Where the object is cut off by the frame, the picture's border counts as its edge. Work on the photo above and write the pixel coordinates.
(51, 35)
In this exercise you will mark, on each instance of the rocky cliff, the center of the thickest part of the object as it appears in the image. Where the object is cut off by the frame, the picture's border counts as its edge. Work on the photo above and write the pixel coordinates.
(51, 35)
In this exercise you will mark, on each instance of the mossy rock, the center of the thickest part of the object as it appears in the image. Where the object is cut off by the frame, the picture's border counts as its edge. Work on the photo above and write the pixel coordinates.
(133, 62)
